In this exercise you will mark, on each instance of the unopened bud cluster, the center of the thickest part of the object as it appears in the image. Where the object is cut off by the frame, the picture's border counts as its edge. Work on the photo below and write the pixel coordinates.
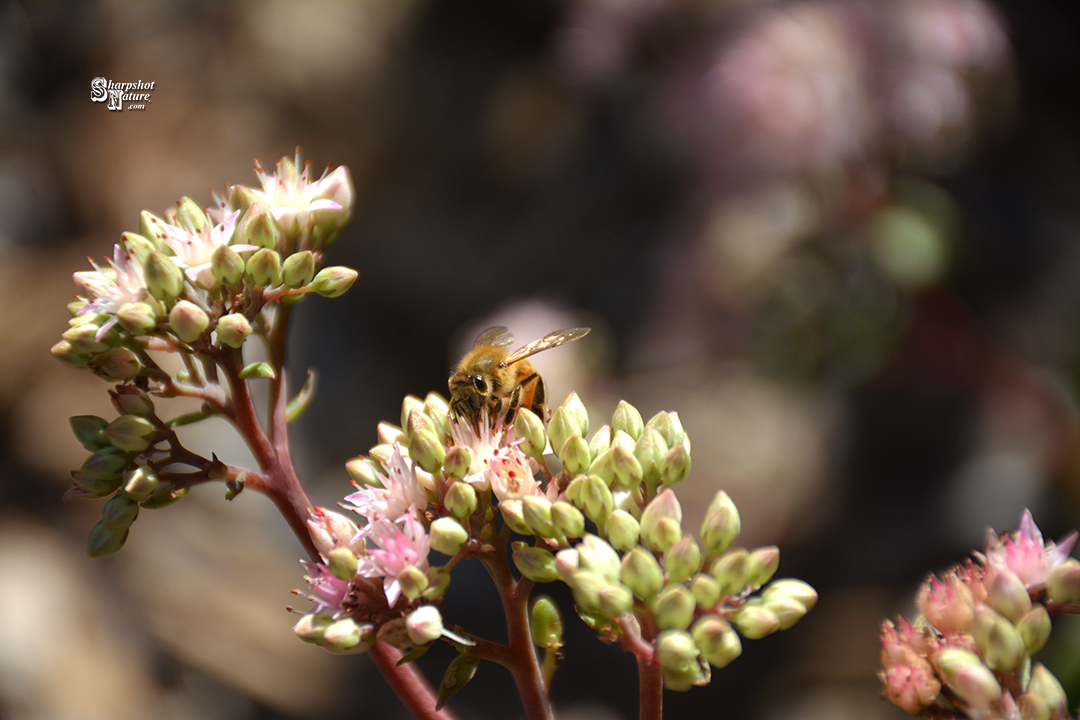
(602, 515)
(969, 654)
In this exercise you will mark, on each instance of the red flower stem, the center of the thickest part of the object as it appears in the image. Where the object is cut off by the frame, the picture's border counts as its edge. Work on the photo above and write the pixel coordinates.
(407, 682)
(650, 672)
(523, 663)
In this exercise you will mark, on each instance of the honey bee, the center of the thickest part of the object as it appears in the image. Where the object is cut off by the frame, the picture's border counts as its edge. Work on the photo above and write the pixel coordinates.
(491, 377)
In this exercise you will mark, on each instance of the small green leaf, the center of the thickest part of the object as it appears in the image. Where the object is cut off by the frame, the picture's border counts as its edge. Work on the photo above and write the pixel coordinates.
(188, 419)
(257, 370)
(457, 676)
(415, 653)
(302, 399)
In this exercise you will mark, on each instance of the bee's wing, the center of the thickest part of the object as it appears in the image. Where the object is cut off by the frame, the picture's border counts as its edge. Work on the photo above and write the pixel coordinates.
(559, 337)
(497, 336)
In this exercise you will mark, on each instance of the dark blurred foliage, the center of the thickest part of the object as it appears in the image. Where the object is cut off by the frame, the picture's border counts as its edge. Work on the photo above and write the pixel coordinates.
(839, 237)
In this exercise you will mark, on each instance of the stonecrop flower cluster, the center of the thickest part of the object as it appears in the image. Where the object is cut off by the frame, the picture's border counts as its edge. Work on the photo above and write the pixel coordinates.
(968, 653)
(196, 283)
(599, 514)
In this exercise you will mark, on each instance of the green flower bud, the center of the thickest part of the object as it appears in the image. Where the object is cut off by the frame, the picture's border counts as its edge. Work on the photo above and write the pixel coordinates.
(595, 554)
(706, 590)
(1045, 686)
(574, 455)
(103, 541)
(513, 516)
(650, 451)
(334, 281)
(188, 321)
(676, 650)
(661, 521)
(129, 400)
(730, 571)
(755, 622)
(310, 627)
(535, 563)
(117, 363)
(139, 246)
(536, 511)
(119, 513)
(66, 353)
(722, 525)
(448, 536)
(641, 573)
(966, 675)
(560, 428)
(567, 519)
(90, 431)
(618, 466)
(426, 450)
(627, 419)
(342, 563)
(673, 607)
(586, 587)
(623, 530)
(1033, 707)
(1035, 629)
(438, 411)
(595, 499)
(717, 640)
(458, 461)
(529, 427)
(615, 600)
(88, 486)
(998, 640)
(152, 228)
(138, 318)
(438, 583)
(685, 680)
(166, 495)
(1063, 583)
(761, 564)
(577, 414)
(364, 471)
(257, 228)
(424, 625)
(191, 216)
(227, 265)
(675, 466)
(600, 441)
(140, 483)
(348, 636)
(75, 307)
(682, 559)
(460, 497)
(573, 489)
(546, 624)
(393, 633)
(108, 463)
(233, 329)
(413, 581)
(130, 433)
(164, 279)
(82, 338)
(1006, 593)
(785, 607)
(669, 427)
(298, 269)
(264, 268)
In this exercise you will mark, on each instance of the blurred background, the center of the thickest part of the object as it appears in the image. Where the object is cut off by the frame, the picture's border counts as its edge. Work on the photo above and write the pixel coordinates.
(840, 237)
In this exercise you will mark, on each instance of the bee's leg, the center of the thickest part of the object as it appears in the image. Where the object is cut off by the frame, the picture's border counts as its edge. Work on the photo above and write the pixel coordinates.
(513, 403)
(539, 405)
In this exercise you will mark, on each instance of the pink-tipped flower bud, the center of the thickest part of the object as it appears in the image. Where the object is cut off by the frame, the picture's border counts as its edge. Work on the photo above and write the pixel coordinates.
(755, 621)
(627, 419)
(310, 627)
(560, 428)
(706, 590)
(458, 462)
(138, 318)
(911, 686)
(66, 353)
(717, 640)
(226, 265)
(460, 497)
(669, 427)
(622, 530)
(673, 607)
(264, 268)
(426, 449)
(641, 573)
(722, 525)
(513, 515)
(596, 555)
(574, 455)
(594, 498)
(650, 451)
(946, 605)
(1006, 593)
(530, 428)
(761, 565)
(413, 582)
(188, 321)
(83, 339)
(567, 519)
(130, 433)
(424, 625)
(577, 414)
(334, 281)
(1035, 629)
(966, 675)
(536, 511)
(661, 522)
(1063, 583)
(233, 329)
(674, 466)
(998, 640)
(117, 363)
(535, 563)
(348, 636)
(130, 400)
(682, 560)
(618, 466)
(448, 536)
(257, 228)
(601, 441)
(298, 269)
(164, 279)
(730, 571)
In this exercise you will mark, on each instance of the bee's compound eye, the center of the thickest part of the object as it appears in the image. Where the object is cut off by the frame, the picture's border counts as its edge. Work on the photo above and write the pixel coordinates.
(479, 383)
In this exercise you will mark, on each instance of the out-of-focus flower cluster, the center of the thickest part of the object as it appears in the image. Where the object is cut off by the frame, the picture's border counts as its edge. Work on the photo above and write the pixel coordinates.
(968, 653)
(603, 518)
(196, 282)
